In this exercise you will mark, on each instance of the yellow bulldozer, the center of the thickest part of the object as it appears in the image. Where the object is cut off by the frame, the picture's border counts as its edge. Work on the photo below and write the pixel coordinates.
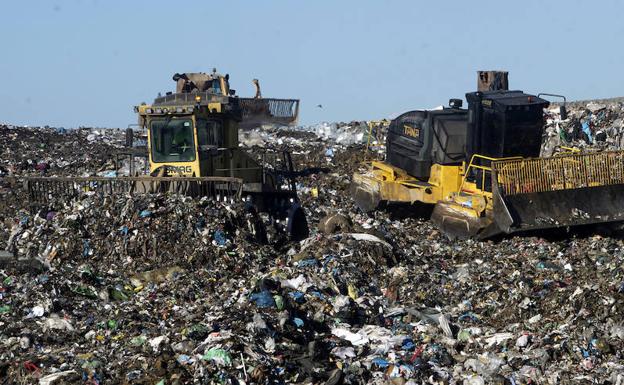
(480, 168)
(193, 149)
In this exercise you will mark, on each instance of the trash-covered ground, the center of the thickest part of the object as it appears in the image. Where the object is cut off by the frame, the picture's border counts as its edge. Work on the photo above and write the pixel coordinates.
(170, 290)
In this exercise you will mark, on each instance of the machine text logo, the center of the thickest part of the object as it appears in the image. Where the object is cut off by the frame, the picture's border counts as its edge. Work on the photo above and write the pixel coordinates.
(408, 130)
(180, 169)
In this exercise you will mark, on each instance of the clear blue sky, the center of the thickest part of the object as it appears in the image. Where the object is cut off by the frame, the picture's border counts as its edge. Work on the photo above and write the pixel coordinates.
(87, 62)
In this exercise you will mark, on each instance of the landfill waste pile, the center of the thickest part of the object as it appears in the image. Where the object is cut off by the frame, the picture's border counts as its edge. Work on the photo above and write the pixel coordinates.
(342, 134)
(595, 124)
(56, 151)
(163, 289)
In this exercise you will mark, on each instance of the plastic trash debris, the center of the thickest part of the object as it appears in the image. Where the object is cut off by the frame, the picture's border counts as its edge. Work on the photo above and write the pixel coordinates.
(51, 379)
(262, 299)
(56, 323)
(219, 238)
(36, 312)
(138, 340)
(218, 356)
(354, 338)
(157, 341)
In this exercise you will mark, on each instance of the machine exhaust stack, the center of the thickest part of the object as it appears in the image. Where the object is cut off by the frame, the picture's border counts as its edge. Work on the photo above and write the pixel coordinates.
(492, 81)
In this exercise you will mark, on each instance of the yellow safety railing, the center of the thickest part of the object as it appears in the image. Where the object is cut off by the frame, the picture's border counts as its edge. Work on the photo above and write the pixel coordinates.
(485, 169)
(561, 172)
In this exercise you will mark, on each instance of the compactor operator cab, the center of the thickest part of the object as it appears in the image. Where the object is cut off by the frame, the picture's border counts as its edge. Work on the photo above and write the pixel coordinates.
(194, 131)
(191, 139)
(201, 140)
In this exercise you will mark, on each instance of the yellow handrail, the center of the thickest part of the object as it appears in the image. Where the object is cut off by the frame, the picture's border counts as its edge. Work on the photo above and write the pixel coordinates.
(481, 167)
(561, 172)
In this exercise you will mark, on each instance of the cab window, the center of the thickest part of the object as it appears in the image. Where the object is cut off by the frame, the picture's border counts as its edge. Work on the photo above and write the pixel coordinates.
(172, 140)
(210, 133)
(213, 86)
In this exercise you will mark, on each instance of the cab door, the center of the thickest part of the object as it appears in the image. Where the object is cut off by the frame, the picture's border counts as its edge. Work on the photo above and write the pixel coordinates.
(210, 147)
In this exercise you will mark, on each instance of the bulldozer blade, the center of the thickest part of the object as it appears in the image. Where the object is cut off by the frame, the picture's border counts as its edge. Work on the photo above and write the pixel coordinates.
(532, 211)
(47, 190)
(562, 208)
(561, 191)
(259, 111)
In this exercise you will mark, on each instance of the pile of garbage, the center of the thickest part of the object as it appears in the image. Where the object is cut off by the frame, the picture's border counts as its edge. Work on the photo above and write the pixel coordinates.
(337, 134)
(163, 289)
(56, 151)
(588, 125)
(342, 133)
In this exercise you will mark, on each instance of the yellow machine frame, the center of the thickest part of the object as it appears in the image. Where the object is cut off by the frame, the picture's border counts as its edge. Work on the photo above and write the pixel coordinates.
(564, 183)
(396, 185)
